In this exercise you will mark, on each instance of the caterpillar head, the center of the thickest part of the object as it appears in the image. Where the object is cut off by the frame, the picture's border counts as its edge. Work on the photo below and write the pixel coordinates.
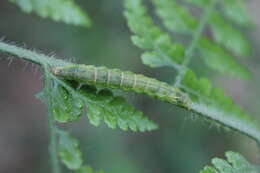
(65, 71)
(185, 101)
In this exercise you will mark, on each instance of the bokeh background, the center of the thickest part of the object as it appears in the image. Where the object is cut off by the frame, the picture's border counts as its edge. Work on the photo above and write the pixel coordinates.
(183, 144)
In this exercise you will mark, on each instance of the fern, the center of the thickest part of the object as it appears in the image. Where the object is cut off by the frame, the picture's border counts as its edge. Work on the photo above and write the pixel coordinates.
(66, 100)
(67, 105)
(150, 37)
(102, 101)
(213, 55)
(66, 11)
(235, 163)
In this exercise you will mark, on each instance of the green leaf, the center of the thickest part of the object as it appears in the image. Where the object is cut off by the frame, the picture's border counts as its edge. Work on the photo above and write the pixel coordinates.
(218, 59)
(69, 151)
(175, 17)
(229, 37)
(65, 105)
(114, 111)
(154, 58)
(201, 91)
(66, 11)
(148, 36)
(236, 164)
(87, 169)
(236, 11)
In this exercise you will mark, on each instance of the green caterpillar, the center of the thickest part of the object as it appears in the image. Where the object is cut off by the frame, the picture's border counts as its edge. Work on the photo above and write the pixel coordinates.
(126, 80)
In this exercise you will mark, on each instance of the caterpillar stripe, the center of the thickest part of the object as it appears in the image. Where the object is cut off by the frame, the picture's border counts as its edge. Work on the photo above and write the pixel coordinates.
(126, 80)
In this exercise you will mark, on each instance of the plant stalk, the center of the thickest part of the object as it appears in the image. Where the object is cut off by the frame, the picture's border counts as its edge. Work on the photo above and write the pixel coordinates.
(55, 165)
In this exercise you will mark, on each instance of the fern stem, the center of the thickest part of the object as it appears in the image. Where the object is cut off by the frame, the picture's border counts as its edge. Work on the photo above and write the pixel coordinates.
(196, 36)
(28, 55)
(53, 147)
(228, 121)
(55, 166)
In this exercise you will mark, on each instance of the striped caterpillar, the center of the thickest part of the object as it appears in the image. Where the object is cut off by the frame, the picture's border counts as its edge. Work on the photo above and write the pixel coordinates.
(126, 80)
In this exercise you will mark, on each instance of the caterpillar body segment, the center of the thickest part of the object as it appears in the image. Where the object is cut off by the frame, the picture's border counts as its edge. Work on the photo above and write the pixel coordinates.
(126, 80)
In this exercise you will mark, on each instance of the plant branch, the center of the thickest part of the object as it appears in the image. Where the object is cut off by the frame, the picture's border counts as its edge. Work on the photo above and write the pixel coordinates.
(196, 36)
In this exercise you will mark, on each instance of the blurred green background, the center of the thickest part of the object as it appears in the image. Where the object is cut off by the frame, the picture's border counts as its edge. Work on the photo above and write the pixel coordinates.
(183, 144)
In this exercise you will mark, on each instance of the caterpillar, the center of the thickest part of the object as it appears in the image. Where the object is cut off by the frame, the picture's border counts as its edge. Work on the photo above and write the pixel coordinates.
(126, 80)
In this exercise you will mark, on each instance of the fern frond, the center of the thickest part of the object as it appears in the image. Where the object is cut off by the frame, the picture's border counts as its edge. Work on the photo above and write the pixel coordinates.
(67, 103)
(235, 163)
(217, 58)
(223, 32)
(208, 101)
(66, 11)
(149, 37)
(69, 150)
(175, 17)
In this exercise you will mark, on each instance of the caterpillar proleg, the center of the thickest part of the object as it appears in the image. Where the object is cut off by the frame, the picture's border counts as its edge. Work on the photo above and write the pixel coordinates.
(126, 80)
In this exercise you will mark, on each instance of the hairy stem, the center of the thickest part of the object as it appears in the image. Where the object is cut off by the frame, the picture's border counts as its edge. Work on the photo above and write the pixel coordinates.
(229, 121)
(32, 56)
(196, 36)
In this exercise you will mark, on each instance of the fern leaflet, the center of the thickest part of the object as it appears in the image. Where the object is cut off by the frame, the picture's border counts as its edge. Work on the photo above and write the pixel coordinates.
(69, 151)
(235, 163)
(114, 111)
(66, 11)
